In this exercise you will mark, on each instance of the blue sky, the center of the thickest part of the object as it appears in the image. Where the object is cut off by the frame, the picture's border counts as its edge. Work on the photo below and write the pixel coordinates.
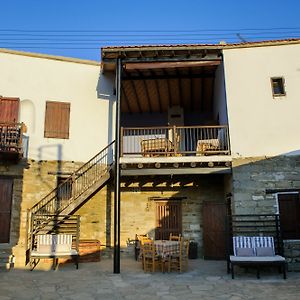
(81, 28)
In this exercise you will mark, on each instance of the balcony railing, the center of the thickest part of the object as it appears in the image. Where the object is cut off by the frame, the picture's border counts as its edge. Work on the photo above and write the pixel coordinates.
(11, 138)
(175, 141)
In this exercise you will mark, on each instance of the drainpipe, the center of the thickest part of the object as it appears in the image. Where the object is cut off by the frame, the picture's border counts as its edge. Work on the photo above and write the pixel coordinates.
(117, 172)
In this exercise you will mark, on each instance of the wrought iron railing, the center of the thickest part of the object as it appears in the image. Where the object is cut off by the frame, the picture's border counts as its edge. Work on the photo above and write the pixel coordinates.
(75, 185)
(175, 140)
(11, 137)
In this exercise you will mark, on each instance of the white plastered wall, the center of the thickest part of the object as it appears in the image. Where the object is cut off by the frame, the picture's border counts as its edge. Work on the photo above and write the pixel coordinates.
(259, 124)
(37, 80)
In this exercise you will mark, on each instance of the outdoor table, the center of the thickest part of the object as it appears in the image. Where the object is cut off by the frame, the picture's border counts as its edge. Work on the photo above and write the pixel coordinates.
(165, 248)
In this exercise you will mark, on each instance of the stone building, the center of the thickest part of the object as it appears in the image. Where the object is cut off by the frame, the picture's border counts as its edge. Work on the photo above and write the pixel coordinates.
(204, 130)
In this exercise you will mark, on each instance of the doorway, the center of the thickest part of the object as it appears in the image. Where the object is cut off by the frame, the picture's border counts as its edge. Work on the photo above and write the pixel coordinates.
(168, 219)
(214, 233)
(6, 189)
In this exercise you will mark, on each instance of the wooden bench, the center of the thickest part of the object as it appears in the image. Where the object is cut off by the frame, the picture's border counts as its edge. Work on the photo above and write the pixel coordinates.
(54, 246)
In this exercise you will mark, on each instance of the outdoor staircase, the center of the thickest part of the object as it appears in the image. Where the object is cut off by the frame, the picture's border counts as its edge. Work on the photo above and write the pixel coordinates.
(72, 193)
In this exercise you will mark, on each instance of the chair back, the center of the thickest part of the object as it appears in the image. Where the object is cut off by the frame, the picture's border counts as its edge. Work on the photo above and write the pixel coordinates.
(242, 242)
(148, 249)
(175, 237)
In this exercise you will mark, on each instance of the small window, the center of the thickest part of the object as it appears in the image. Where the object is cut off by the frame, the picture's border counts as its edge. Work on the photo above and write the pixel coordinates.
(57, 119)
(278, 86)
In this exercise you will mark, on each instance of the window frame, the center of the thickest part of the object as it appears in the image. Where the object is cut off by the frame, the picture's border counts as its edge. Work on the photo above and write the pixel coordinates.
(272, 80)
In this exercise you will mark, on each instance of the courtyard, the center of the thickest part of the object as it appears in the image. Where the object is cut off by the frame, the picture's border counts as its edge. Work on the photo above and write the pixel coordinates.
(206, 279)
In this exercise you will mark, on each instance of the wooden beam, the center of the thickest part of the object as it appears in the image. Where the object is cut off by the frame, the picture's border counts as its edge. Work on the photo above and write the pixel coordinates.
(180, 89)
(170, 102)
(158, 93)
(126, 99)
(167, 65)
(192, 92)
(136, 96)
(202, 94)
(164, 76)
(147, 95)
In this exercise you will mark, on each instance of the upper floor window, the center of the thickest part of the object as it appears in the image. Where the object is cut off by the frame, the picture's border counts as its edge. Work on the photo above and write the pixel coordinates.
(278, 86)
(57, 120)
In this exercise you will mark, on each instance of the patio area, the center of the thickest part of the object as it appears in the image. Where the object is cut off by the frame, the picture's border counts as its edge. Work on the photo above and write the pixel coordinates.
(205, 279)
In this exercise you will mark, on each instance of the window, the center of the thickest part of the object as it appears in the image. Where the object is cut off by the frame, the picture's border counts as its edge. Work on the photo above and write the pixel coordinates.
(278, 86)
(57, 119)
(289, 211)
(9, 110)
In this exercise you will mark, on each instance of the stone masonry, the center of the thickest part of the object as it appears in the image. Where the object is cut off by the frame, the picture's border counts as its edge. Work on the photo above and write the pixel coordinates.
(253, 176)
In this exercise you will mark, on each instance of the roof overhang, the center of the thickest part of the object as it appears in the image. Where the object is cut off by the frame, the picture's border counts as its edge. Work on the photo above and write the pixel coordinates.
(167, 55)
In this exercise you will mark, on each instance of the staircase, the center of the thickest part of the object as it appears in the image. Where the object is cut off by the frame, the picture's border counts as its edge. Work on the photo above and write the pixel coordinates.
(71, 193)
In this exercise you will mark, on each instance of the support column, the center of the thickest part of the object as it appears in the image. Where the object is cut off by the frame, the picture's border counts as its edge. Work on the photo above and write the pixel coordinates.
(117, 195)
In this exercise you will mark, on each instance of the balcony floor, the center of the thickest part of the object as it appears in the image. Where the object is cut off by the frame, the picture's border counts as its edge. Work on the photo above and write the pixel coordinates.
(139, 166)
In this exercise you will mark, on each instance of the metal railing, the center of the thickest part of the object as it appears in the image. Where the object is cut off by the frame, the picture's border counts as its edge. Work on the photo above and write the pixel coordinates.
(175, 140)
(76, 184)
(11, 137)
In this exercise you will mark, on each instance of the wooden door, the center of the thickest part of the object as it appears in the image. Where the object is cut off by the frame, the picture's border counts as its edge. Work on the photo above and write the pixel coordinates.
(168, 219)
(214, 234)
(6, 188)
(289, 211)
(9, 110)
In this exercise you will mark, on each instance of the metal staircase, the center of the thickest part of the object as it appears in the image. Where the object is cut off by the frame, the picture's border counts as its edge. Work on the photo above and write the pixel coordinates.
(71, 193)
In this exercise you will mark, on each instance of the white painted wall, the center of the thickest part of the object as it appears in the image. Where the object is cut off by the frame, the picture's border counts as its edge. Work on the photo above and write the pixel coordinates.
(259, 124)
(37, 80)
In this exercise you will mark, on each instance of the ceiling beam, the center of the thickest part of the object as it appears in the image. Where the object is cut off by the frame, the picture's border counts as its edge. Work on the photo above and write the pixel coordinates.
(170, 102)
(147, 95)
(192, 91)
(180, 89)
(158, 93)
(166, 76)
(126, 102)
(136, 96)
(167, 65)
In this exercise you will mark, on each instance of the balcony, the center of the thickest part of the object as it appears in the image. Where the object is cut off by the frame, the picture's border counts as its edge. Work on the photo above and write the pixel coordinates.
(11, 146)
(175, 147)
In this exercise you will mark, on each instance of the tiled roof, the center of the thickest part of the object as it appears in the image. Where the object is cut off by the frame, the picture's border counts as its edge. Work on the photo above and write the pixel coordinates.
(221, 45)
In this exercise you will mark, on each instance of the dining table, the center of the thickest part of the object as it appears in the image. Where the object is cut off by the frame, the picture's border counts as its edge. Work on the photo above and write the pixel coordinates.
(165, 248)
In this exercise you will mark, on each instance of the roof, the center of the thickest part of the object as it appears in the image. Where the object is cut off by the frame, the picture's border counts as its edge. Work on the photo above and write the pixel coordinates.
(221, 45)
(52, 57)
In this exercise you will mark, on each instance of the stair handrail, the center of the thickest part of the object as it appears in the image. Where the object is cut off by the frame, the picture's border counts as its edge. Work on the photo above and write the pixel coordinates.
(50, 204)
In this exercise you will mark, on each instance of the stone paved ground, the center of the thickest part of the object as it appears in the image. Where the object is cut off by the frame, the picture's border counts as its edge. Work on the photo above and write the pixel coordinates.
(205, 280)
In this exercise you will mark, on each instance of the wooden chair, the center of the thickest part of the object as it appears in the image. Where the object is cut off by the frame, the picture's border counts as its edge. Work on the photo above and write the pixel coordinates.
(150, 259)
(175, 237)
(179, 261)
(138, 241)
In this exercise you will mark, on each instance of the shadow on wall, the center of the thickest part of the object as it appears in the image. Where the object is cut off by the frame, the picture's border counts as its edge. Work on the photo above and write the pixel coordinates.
(106, 91)
(55, 151)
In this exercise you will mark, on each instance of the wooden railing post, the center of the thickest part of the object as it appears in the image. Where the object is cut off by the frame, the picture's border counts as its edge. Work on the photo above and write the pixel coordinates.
(175, 140)
(121, 140)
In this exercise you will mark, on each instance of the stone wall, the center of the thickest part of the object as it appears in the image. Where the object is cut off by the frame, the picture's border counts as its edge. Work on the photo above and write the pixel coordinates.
(253, 176)
(138, 209)
(34, 180)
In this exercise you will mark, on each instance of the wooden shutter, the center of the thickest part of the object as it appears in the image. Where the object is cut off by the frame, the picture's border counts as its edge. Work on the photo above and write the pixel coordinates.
(168, 219)
(6, 187)
(289, 210)
(57, 120)
(9, 110)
